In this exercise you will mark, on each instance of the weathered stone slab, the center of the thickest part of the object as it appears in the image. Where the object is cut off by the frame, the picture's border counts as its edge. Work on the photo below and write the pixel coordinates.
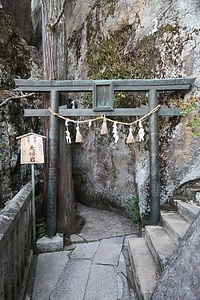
(46, 244)
(160, 244)
(109, 251)
(75, 238)
(175, 225)
(123, 288)
(85, 251)
(49, 269)
(122, 264)
(144, 268)
(188, 211)
(73, 280)
(102, 284)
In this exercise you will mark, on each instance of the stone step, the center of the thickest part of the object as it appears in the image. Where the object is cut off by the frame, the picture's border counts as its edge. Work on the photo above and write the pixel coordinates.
(193, 189)
(175, 225)
(188, 211)
(145, 271)
(160, 244)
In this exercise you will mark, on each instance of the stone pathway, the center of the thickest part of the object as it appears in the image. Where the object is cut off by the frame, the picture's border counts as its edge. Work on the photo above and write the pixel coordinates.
(95, 266)
(101, 224)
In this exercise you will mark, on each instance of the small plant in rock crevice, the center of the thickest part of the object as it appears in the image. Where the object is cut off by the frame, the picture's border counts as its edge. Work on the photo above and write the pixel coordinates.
(191, 108)
(132, 208)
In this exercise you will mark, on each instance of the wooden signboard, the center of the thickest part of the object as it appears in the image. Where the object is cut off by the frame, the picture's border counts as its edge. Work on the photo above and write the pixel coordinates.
(32, 149)
(32, 153)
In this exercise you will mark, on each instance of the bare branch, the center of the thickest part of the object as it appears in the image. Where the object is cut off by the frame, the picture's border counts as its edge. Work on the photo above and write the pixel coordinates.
(15, 97)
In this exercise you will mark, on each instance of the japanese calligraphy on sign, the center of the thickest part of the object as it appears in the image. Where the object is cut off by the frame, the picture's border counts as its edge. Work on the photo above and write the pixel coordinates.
(32, 149)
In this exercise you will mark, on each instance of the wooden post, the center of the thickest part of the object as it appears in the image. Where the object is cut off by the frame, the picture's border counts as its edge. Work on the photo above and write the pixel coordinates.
(154, 161)
(52, 186)
(33, 203)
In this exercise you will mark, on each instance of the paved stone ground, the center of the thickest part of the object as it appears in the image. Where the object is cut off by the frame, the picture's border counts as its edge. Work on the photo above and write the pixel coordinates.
(101, 224)
(95, 266)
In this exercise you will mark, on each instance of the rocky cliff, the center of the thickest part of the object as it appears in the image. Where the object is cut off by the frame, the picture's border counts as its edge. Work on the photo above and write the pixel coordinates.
(117, 39)
(20, 12)
(16, 60)
(134, 39)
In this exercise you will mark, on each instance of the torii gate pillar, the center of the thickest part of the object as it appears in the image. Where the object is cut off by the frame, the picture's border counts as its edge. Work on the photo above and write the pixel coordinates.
(52, 182)
(154, 161)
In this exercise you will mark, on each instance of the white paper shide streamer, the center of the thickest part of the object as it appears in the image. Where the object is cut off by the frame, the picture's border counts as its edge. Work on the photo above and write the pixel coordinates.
(68, 138)
(115, 132)
(141, 132)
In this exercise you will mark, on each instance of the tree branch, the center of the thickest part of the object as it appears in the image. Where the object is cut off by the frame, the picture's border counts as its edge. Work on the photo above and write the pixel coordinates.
(15, 97)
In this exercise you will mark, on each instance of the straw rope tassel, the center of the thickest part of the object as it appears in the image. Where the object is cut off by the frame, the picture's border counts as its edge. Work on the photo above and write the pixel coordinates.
(130, 138)
(79, 137)
(104, 129)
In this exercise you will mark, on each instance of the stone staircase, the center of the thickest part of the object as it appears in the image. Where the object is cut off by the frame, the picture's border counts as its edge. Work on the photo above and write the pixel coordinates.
(150, 254)
(190, 190)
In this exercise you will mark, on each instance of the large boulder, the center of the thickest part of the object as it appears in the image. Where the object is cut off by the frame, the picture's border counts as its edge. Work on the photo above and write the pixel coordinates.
(180, 279)
(134, 39)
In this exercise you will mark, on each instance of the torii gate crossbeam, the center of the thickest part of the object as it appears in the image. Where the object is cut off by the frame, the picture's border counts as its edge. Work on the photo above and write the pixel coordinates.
(102, 105)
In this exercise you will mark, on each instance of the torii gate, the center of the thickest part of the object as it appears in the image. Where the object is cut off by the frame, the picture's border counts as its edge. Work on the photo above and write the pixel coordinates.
(103, 99)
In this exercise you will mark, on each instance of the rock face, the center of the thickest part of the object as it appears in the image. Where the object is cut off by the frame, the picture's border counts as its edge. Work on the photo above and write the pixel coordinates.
(36, 18)
(14, 56)
(13, 124)
(104, 173)
(20, 11)
(181, 277)
(16, 60)
(131, 39)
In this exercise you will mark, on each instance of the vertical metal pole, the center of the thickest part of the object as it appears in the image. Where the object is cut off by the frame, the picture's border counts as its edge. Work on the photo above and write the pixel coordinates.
(52, 166)
(154, 161)
(33, 203)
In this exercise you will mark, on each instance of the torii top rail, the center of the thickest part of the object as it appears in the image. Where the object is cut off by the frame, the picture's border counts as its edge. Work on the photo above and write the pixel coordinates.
(103, 98)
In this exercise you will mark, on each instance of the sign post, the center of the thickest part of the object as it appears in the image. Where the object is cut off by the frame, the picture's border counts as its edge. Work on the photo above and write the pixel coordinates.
(32, 153)
(33, 202)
